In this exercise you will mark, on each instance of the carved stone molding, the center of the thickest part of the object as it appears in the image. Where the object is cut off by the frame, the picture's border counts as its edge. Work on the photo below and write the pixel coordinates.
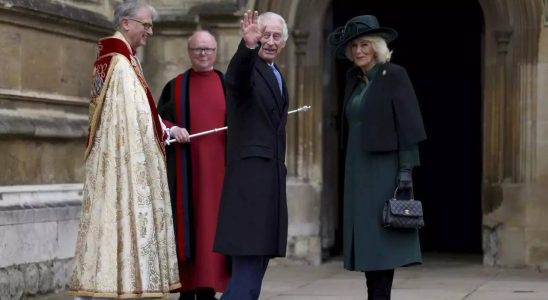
(300, 39)
(32, 96)
(545, 2)
(39, 196)
(42, 115)
(302, 147)
(512, 31)
(503, 38)
(56, 18)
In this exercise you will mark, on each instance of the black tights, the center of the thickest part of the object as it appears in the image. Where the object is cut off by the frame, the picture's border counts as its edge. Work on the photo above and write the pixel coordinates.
(379, 284)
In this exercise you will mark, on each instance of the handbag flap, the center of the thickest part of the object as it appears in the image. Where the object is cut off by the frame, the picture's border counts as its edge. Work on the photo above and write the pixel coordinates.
(406, 208)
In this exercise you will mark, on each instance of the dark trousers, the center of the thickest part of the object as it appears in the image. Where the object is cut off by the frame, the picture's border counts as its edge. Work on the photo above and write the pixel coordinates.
(199, 294)
(246, 278)
(379, 284)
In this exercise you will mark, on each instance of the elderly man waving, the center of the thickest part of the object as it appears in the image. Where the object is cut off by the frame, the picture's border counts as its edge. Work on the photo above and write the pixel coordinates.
(252, 226)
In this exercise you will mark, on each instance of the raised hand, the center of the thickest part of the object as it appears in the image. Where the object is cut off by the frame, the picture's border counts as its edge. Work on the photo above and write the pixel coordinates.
(250, 30)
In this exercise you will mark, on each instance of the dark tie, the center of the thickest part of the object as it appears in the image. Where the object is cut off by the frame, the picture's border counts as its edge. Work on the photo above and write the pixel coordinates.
(278, 77)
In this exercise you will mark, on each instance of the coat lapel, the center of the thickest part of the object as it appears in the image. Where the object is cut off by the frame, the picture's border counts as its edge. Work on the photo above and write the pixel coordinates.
(270, 78)
(285, 105)
(285, 97)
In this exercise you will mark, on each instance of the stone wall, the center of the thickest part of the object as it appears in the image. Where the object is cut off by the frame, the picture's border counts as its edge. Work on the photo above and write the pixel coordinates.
(34, 279)
(46, 53)
(537, 212)
(38, 229)
(515, 169)
(47, 50)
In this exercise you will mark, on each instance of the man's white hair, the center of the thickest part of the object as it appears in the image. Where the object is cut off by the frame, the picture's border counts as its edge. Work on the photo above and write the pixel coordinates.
(273, 16)
(382, 54)
(129, 8)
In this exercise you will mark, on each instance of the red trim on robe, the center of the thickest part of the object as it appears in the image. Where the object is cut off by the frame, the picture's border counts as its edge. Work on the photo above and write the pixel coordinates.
(179, 166)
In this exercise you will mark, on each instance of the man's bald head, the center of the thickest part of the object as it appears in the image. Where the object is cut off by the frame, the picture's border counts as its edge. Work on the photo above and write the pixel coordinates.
(202, 50)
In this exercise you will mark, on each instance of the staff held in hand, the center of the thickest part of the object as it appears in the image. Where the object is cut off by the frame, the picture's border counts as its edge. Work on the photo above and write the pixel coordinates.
(214, 130)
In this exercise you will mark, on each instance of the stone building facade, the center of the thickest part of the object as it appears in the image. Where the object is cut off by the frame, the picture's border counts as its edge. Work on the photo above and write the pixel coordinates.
(496, 197)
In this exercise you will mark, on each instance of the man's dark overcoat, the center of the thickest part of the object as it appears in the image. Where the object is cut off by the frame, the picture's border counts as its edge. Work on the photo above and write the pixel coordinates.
(253, 213)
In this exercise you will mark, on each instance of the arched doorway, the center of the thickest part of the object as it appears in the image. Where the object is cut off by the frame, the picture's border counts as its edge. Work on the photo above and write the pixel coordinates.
(502, 37)
(444, 65)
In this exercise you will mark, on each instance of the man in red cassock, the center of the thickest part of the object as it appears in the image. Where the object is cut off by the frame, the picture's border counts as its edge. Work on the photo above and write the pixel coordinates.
(195, 101)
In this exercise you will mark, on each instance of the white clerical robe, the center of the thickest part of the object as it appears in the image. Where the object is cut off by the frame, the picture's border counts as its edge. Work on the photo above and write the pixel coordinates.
(126, 244)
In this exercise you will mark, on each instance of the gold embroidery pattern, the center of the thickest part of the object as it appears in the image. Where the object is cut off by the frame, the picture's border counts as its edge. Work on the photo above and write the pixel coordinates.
(126, 244)
(99, 74)
(96, 106)
(99, 49)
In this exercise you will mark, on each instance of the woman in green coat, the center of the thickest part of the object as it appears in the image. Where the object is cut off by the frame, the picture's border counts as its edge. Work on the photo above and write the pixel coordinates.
(382, 129)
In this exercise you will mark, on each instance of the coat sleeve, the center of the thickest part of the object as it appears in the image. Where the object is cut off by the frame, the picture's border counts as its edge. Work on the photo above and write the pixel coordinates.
(166, 105)
(409, 156)
(238, 77)
(408, 119)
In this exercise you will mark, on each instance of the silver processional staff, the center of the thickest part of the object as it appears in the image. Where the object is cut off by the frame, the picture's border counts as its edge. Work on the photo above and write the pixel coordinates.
(214, 130)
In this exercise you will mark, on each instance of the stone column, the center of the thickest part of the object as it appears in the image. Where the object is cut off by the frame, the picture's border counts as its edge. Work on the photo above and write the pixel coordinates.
(303, 150)
(497, 153)
(496, 112)
(302, 199)
(504, 112)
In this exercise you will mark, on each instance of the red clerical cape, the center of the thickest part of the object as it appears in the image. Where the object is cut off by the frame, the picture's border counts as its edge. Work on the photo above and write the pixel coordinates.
(196, 101)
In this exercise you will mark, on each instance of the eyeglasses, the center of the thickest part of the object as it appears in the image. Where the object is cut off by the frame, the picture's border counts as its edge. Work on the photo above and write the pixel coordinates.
(146, 25)
(276, 36)
(199, 51)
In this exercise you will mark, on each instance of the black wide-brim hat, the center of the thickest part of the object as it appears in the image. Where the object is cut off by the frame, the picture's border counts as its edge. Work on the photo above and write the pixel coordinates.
(356, 27)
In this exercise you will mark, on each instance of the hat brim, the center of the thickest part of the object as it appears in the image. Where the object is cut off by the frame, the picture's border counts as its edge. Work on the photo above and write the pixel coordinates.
(388, 34)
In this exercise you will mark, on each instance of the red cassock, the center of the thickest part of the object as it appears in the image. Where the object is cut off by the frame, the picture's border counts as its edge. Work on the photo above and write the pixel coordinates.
(196, 101)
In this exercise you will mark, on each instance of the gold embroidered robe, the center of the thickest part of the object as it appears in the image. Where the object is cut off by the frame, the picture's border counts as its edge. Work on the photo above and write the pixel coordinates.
(126, 244)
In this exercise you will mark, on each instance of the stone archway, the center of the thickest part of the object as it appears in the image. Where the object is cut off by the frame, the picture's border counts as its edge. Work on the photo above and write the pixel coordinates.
(509, 147)
(512, 193)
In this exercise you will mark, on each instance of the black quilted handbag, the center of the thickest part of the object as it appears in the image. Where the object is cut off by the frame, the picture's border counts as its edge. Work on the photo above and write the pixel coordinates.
(398, 213)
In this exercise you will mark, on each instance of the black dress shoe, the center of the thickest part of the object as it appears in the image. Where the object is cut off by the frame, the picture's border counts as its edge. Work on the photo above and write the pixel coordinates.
(206, 298)
(187, 295)
(205, 294)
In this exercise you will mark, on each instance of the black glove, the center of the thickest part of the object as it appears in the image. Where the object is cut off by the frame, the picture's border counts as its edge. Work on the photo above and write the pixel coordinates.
(405, 179)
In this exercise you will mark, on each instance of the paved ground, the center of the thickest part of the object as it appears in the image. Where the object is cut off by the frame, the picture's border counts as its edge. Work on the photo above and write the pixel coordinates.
(440, 278)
